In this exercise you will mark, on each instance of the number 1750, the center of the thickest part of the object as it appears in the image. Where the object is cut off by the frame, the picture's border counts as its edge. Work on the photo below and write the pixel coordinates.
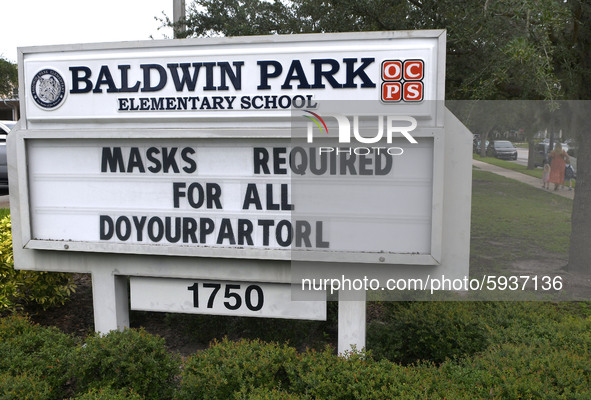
(252, 297)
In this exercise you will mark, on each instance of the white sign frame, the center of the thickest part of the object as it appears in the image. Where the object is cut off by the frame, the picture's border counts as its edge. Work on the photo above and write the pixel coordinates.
(242, 253)
(246, 124)
(111, 266)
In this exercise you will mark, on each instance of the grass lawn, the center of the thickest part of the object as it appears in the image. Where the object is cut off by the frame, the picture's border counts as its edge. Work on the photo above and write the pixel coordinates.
(521, 145)
(536, 173)
(512, 220)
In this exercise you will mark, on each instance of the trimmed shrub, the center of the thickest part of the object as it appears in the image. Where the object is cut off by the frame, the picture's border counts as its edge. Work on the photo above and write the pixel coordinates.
(18, 288)
(523, 371)
(110, 394)
(537, 323)
(23, 387)
(257, 370)
(15, 325)
(324, 375)
(227, 368)
(131, 359)
(41, 353)
(262, 393)
(426, 331)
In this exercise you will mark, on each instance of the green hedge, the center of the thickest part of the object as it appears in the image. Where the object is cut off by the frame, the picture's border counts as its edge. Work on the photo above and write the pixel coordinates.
(18, 288)
(132, 363)
(130, 359)
(37, 354)
(23, 387)
(229, 367)
(426, 331)
(244, 369)
(535, 350)
(109, 394)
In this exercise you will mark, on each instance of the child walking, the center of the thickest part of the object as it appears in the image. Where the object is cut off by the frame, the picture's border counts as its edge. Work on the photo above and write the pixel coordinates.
(569, 175)
(546, 177)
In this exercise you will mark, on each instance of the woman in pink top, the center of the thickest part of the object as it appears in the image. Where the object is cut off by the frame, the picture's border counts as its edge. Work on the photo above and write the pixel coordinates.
(558, 161)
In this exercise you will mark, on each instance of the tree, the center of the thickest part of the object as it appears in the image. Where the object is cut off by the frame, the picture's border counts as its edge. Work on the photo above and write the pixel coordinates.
(484, 117)
(207, 18)
(576, 73)
(8, 78)
(580, 252)
(496, 50)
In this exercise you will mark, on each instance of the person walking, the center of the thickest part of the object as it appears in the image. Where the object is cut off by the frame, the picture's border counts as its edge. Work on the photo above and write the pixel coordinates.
(569, 175)
(546, 176)
(558, 161)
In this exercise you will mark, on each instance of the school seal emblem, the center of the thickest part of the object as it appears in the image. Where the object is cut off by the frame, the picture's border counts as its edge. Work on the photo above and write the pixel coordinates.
(48, 89)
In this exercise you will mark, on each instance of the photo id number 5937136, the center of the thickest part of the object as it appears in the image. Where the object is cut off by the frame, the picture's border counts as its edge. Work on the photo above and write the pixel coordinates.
(207, 295)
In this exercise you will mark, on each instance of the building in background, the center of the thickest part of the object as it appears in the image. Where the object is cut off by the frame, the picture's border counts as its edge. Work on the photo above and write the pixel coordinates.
(9, 107)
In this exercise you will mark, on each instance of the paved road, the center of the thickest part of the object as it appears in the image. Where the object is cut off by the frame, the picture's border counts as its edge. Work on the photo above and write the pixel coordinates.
(4, 201)
(518, 176)
(523, 153)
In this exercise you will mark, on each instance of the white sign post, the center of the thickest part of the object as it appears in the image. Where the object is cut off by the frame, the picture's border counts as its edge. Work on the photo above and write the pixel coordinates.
(173, 163)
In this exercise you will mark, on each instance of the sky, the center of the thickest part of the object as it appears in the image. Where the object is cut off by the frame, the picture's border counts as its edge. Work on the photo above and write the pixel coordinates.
(45, 22)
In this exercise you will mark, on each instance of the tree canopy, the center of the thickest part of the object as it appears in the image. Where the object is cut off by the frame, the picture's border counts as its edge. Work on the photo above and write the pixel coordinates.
(8, 78)
(496, 50)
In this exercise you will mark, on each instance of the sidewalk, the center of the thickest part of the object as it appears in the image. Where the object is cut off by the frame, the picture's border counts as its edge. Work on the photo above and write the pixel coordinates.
(518, 176)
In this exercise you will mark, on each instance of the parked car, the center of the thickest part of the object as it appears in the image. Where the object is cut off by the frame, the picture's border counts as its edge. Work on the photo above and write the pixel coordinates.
(541, 154)
(5, 127)
(542, 149)
(476, 144)
(502, 149)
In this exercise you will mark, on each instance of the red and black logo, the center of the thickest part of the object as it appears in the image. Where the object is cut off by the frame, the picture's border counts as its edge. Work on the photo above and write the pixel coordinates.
(402, 81)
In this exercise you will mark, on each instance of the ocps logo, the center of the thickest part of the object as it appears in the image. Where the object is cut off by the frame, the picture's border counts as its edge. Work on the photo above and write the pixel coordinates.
(402, 81)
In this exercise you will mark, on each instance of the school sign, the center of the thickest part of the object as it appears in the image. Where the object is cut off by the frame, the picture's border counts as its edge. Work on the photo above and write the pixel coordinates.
(200, 168)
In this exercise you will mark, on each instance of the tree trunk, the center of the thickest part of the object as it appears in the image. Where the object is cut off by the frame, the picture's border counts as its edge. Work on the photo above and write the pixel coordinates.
(483, 138)
(580, 239)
